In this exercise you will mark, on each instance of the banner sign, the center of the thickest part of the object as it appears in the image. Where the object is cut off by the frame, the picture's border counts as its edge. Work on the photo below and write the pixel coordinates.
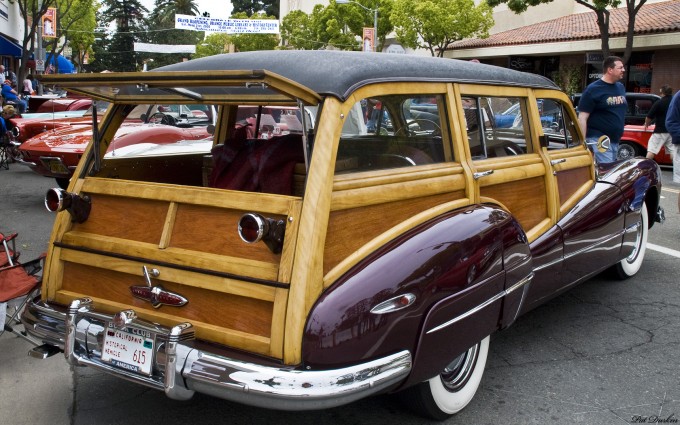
(369, 40)
(164, 48)
(229, 26)
(49, 23)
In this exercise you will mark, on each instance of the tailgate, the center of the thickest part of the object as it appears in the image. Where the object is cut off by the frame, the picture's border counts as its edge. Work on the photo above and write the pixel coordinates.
(187, 238)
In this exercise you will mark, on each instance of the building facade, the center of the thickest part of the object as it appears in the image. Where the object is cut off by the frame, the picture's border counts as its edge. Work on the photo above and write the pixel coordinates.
(11, 34)
(569, 47)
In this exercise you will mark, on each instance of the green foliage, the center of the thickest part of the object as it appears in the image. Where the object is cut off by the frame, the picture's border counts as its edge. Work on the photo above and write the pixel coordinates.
(77, 23)
(128, 15)
(213, 44)
(569, 78)
(254, 7)
(251, 42)
(433, 24)
(337, 25)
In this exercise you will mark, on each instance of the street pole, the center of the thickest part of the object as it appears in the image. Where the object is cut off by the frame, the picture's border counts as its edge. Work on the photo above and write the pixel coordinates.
(375, 29)
(39, 54)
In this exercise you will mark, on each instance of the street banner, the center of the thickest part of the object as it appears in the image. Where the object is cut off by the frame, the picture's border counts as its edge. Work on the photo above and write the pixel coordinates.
(229, 26)
(49, 23)
(369, 40)
(164, 48)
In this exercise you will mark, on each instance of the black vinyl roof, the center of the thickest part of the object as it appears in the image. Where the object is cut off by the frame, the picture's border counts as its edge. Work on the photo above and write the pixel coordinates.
(338, 73)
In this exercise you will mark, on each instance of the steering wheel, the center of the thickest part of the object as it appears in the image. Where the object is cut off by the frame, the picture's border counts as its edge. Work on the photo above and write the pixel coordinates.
(422, 123)
(161, 118)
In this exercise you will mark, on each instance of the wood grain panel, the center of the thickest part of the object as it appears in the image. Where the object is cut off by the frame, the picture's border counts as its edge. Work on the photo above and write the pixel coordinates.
(220, 309)
(127, 218)
(350, 229)
(525, 199)
(569, 181)
(215, 231)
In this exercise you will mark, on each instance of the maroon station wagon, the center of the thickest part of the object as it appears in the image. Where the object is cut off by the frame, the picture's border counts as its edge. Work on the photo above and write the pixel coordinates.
(374, 250)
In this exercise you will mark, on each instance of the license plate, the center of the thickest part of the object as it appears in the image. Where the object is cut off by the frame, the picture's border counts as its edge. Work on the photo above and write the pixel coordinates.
(130, 349)
(56, 166)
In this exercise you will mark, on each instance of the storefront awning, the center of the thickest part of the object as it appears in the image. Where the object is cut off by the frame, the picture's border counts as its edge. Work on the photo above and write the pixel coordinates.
(9, 48)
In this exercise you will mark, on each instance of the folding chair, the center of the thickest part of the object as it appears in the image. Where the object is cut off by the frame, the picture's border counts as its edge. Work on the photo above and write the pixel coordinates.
(6, 155)
(19, 282)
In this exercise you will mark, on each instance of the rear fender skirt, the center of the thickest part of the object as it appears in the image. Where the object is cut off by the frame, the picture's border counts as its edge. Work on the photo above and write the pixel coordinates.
(454, 261)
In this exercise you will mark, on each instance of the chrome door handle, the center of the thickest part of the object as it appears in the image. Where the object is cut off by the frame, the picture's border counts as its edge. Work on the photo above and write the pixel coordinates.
(557, 161)
(478, 176)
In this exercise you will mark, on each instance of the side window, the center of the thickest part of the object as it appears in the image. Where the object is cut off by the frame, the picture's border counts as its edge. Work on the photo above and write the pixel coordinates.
(394, 131)
(559, 129)
(496, 126)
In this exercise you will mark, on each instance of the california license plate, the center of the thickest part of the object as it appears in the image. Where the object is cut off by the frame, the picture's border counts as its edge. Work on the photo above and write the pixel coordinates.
(130, 349)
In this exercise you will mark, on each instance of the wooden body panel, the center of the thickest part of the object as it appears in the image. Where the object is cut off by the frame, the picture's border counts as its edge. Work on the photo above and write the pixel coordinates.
(235, 292)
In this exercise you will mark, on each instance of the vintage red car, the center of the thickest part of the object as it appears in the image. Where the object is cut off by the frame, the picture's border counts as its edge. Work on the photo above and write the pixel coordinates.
(56, 153)
(634, 143)
(64, 104)
(31, 124)
(334, 261)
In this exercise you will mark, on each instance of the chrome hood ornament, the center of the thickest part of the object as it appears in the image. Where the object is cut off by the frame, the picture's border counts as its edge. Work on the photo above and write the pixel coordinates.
(156, 295)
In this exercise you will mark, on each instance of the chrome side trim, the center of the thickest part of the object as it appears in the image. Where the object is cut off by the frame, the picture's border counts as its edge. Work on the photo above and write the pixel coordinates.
(180, 370)
(591, 246)
(486, 303)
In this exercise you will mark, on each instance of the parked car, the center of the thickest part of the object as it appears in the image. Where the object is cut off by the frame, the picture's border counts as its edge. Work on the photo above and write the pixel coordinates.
(56, 153)
(31, 124)
(65, 104)
(635, 138)
(319, 267)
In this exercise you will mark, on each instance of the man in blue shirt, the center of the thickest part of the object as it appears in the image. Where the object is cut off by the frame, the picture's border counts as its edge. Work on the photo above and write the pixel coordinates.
(11, 95)
(602, 110)
(673, 127)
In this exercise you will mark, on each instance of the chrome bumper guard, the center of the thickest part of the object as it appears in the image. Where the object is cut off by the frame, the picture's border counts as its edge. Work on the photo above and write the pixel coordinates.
(179, 369)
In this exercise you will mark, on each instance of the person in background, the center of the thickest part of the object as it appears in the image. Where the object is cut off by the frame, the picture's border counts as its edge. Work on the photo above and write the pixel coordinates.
(673, 127)
(602, 110)
(11, 95)
(657, 114)
(28, 86)
(8, 112)
(8, 75)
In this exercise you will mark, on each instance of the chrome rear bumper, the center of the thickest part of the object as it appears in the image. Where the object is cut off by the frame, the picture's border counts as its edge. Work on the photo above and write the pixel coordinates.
(180, 370)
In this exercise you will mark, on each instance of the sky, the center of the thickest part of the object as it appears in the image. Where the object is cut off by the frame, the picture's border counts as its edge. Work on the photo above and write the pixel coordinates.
(217, 9)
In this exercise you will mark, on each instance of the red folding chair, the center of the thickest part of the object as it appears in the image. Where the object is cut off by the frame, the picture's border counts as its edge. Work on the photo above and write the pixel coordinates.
(19, 282)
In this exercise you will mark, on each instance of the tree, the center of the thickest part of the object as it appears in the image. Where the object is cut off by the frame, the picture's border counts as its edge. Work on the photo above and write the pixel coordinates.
(161, 30)
(252, 42)
(252, 7)
(339, 26)
(357, 18)
(32, 12)
(128, 15)
(434, 24)
(600, 7)
(298, 31)
(76, 24)
(213, 44)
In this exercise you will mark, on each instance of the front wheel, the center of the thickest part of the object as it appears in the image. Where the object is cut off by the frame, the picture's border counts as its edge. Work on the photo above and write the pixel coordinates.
(450, 391)
(630, 265)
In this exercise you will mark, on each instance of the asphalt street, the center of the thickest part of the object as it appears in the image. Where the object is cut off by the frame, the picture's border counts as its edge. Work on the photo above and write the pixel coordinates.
(604, 353)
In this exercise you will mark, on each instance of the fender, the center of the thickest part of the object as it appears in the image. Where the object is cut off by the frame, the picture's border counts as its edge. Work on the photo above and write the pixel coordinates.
(451, 264)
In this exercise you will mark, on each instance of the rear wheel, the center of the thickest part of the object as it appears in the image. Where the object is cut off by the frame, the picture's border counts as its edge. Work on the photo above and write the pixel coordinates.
(628, 150)
(450, 391)
(630, 265)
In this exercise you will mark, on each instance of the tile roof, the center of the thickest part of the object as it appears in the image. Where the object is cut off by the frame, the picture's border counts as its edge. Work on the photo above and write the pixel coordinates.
(652, 18)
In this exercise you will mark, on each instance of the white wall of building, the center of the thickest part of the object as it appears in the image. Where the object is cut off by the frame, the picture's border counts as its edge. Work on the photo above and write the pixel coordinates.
(11, 22)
